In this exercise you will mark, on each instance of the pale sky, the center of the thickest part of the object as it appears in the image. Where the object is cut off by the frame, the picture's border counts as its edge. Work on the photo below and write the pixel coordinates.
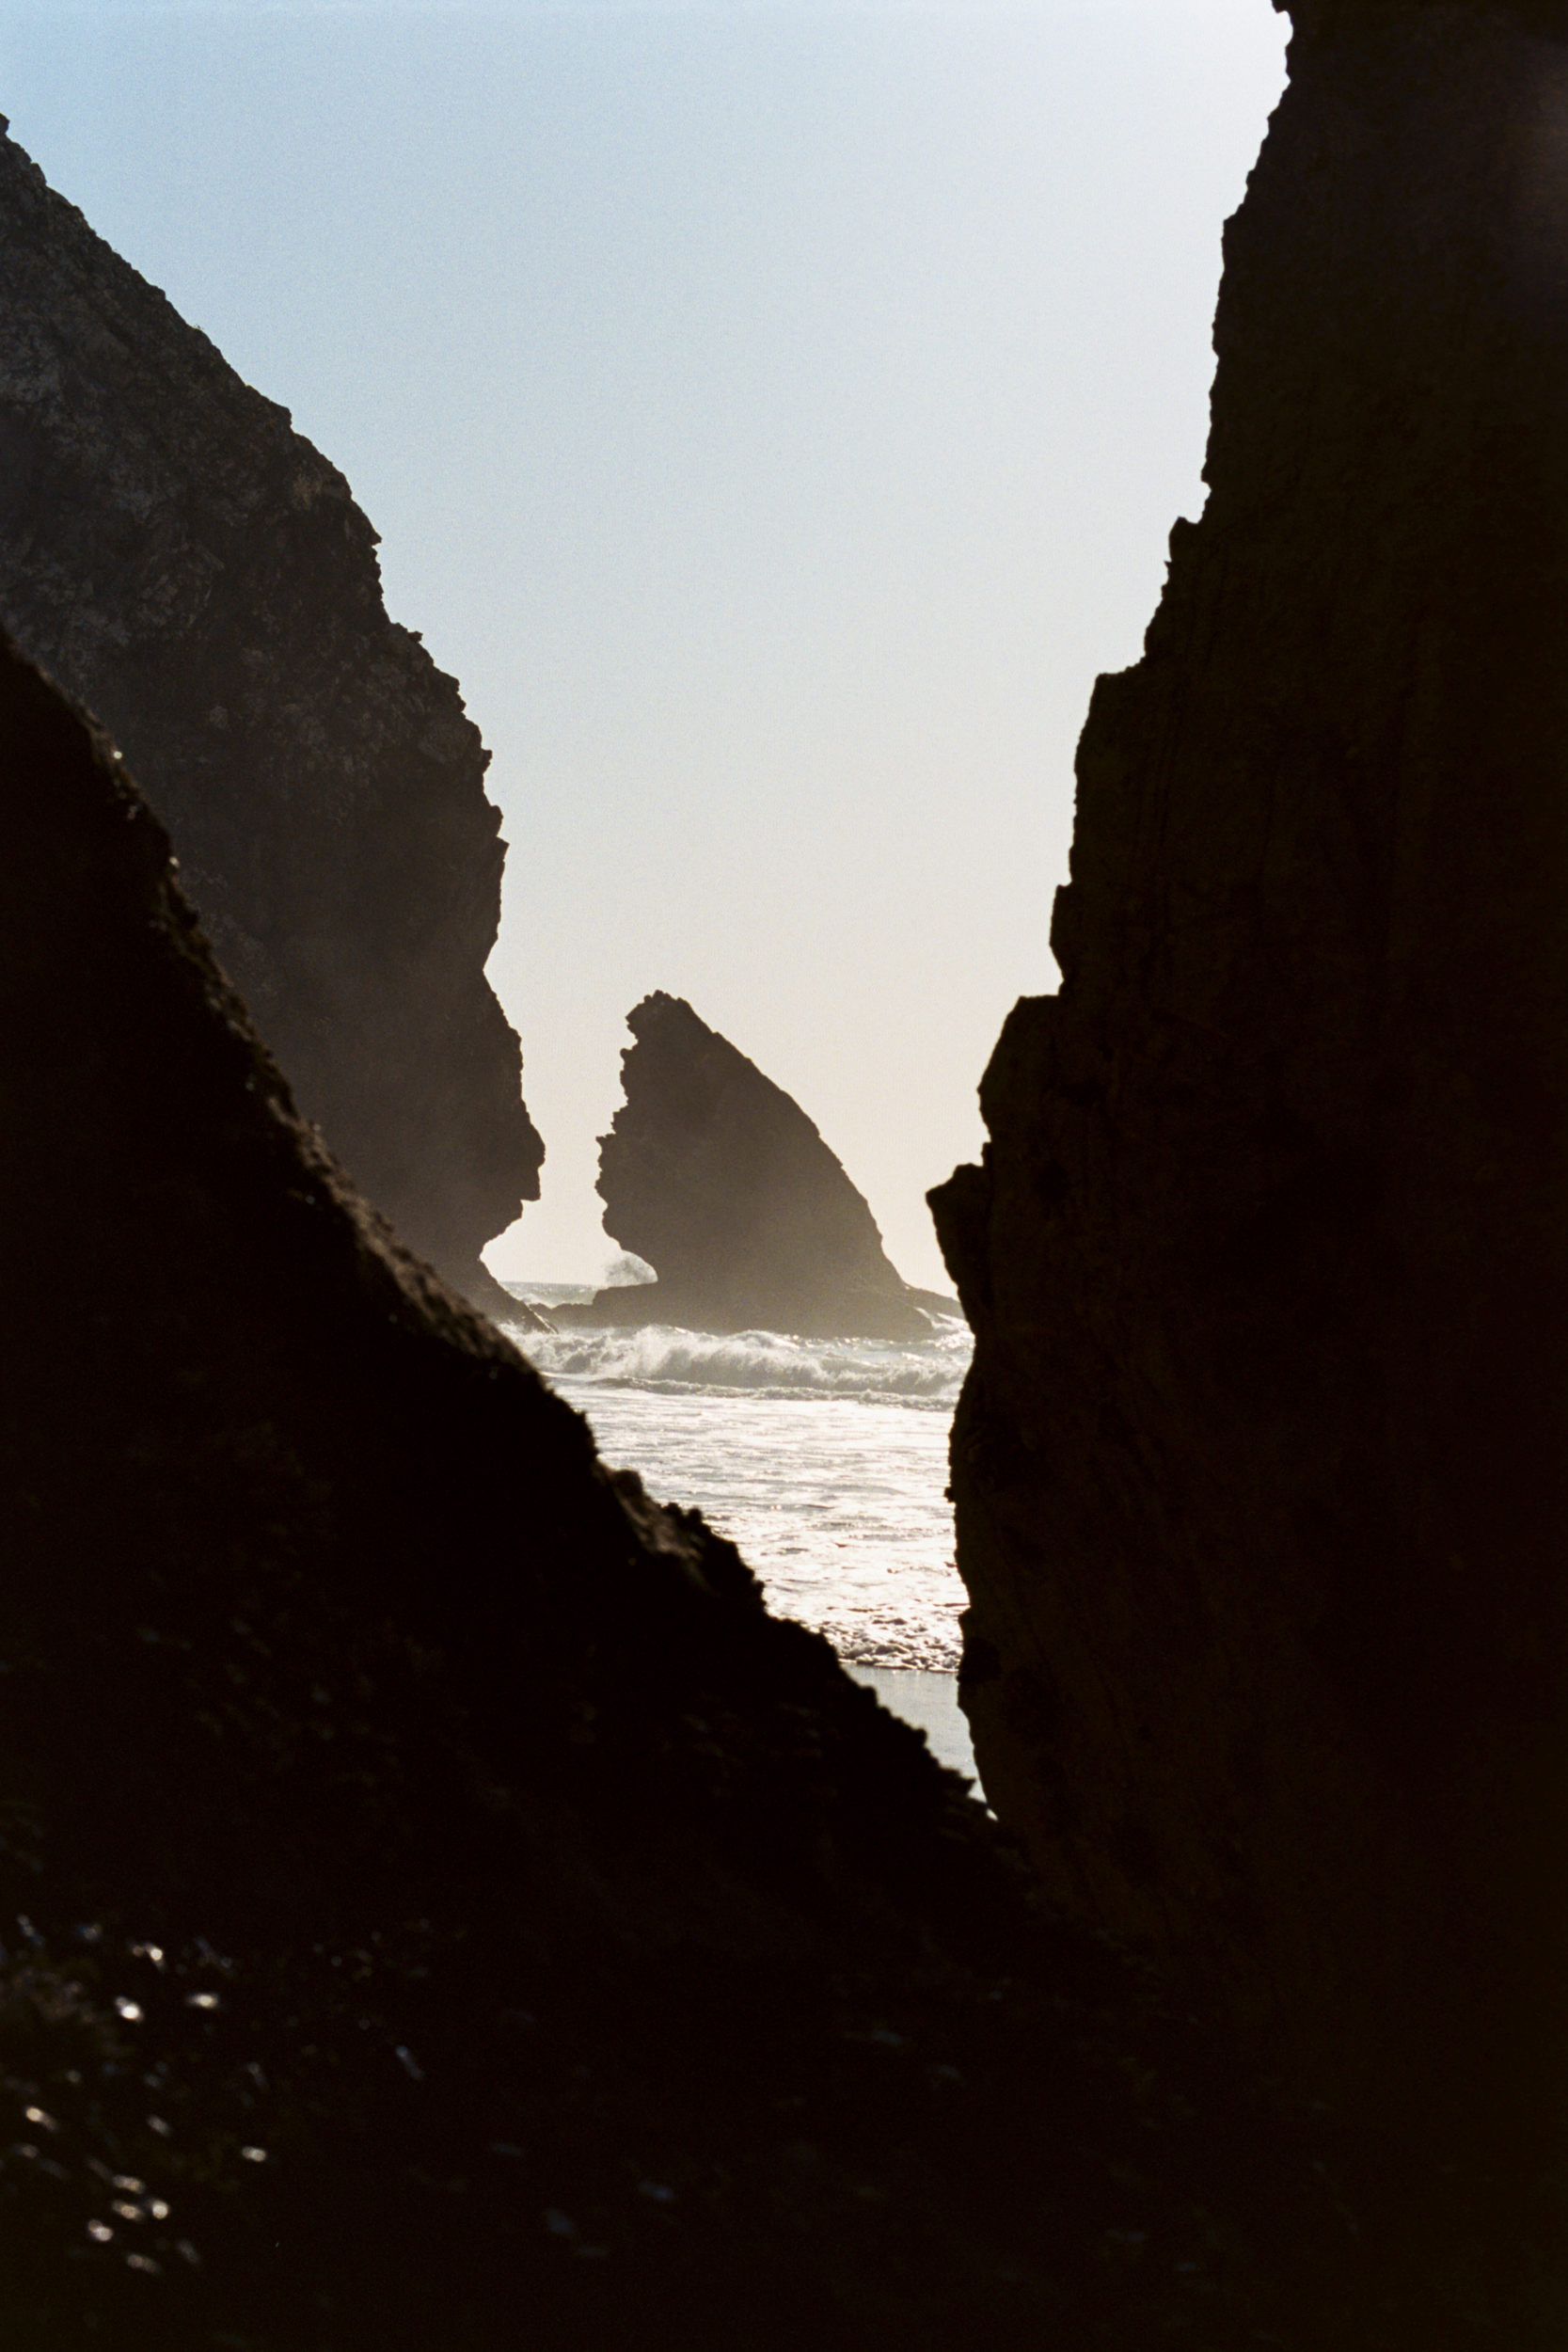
(773, 415)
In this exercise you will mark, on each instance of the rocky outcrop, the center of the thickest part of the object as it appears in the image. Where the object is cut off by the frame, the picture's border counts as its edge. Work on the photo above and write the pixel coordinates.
(716, 1178)
(200, 576)
(1263, 1468)
(439, 1905)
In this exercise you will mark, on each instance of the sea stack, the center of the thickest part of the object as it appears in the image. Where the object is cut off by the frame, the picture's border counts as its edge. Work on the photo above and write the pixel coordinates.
(716, 1178)
(199, 575)
(440, 1906)
(1261, 1470)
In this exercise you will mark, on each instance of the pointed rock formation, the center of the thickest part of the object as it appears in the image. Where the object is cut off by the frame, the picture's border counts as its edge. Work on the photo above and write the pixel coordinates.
(715, 1177)
(1262, 1467)
(200, 576)
(438, 1906)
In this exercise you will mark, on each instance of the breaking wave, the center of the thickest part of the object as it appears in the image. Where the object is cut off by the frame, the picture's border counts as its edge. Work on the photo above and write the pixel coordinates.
(667, 1362)
(825, 1460)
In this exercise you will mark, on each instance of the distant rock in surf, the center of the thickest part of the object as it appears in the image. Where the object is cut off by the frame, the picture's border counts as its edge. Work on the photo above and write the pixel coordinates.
(200, 576)
(441, 1907)
(717, 1178)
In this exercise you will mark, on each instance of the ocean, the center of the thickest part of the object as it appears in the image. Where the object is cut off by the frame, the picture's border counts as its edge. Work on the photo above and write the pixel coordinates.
(824, 1460)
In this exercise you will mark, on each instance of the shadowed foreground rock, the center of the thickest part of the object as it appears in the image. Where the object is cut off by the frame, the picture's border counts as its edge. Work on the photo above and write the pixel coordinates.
(716, 1178)
(1262, 1465)
(438, 1906)
(199, 577)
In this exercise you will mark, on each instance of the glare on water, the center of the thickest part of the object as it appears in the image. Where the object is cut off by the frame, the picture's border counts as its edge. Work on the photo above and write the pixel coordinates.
(826, 1463)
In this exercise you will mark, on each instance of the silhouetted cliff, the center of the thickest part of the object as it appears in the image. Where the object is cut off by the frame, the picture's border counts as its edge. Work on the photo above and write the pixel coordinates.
(438, 1906)
(199, 575)
(716, 1178)
(1262, 1467)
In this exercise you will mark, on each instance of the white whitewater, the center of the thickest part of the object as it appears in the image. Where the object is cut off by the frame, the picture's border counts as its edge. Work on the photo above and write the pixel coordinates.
(824, 1460)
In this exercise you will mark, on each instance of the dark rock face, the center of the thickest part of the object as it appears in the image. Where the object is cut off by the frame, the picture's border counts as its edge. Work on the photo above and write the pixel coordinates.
(719, 1180)
(1262, 1469)
(199, 575)
(439, 1906)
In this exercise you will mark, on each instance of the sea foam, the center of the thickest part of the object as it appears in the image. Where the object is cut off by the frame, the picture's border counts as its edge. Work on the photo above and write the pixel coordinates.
(769, 1363)
(825, 1460)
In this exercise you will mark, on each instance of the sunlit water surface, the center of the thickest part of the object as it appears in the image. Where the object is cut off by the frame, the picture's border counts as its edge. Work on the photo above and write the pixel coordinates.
(825, 1461)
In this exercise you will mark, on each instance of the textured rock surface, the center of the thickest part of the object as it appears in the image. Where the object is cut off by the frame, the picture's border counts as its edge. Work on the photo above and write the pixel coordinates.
(1262, 1469)
(199, 575)
(438, 1906)
(717, 1178)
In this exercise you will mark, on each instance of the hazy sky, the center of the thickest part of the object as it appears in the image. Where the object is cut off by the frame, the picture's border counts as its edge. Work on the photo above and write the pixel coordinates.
(773, 415)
